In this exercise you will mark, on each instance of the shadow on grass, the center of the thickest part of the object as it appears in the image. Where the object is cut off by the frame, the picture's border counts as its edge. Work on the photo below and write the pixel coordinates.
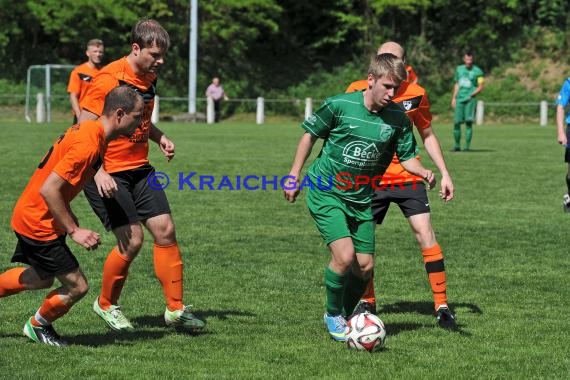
(471, 150)
(423, 308)
(158, 320)
(114, 337)
(147, 327)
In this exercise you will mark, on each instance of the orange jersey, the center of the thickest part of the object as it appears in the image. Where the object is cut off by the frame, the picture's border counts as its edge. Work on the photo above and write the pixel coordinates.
(359, 85)
(75, 157)
(80, 79)
(412, 76)
(124, 153)
(414, 100)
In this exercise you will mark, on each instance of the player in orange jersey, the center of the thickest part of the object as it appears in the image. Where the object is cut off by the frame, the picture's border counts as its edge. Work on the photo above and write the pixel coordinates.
(126, 170)
(412, 76)
(43, 218)
(409, 193)
(81, 76)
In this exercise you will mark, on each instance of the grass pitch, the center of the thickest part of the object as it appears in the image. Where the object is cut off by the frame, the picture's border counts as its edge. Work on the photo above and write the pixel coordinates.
(254, 269)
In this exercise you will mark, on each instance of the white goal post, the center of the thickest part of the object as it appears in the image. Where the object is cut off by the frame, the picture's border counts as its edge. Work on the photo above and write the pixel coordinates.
(44, 84)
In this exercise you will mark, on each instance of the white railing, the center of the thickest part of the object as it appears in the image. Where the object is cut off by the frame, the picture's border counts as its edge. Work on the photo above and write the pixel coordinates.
(543, 110)
(260, 102)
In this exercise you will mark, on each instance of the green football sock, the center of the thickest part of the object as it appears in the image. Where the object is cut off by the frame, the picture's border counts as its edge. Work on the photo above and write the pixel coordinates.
(468, 134)
(334, 284)
(354, 289)
(457, 134)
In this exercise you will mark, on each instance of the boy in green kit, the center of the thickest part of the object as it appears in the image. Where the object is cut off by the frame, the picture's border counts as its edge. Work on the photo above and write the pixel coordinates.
(362, 131)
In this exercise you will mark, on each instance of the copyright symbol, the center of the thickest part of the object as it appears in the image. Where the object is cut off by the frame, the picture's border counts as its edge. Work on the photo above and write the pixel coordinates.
(158, 181)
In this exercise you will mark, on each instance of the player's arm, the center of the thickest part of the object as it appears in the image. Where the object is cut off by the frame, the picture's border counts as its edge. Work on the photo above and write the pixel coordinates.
(106, 185)
(561, 125)
(433, 149)
(73, 88)
(291, 188)
(166, 145)
(74, 100)
(561, 102)
(414, 166)
(480, 85)
(86, 115)
(454, 96)
(52, 192)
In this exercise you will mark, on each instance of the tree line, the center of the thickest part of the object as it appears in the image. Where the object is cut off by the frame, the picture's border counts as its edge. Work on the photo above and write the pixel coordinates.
(285, 48)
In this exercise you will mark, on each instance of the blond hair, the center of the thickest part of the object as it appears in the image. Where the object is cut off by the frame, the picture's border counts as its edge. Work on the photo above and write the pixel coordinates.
(94, 42)
(388, 65)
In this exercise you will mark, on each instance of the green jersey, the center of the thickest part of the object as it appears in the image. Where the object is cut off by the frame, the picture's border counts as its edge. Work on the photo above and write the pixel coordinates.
(467, 79)
(359, 145)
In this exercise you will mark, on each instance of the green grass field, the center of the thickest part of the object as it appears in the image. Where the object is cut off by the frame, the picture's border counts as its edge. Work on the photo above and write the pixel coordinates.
(254, 270)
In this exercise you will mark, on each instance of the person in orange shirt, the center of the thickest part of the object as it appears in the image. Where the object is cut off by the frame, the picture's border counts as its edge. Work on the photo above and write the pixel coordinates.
(81, 76)
(42, 217)
(126, 172)
(412, 76)
(409, 193)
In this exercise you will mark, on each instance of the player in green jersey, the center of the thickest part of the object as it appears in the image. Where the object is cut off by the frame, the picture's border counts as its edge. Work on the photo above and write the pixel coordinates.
(468, 83)
(361, 132)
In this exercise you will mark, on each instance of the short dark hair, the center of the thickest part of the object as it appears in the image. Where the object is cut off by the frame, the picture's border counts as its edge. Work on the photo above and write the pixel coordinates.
(147, 32)
(468, 52)
(121, 97)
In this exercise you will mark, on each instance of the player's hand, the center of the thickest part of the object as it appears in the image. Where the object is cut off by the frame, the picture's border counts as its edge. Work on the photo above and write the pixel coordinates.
(453, 102)
(446, 191)
(291, 189)
(106, 185)
(88, 239)
(429, 178)
(562, 140)
(167, 147)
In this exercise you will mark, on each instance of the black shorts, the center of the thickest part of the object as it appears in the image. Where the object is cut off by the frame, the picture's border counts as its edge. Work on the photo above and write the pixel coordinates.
(134, 201)
(410, 196)
(49, 258)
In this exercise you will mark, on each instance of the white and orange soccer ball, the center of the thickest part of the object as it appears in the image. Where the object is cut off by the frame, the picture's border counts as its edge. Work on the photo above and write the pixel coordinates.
(367, 332)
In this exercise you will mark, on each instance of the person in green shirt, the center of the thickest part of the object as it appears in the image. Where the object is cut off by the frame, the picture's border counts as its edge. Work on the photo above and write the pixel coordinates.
(469, 80)
(361, 132)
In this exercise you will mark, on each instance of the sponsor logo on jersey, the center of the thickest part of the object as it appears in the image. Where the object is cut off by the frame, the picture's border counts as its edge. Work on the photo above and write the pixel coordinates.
(386, 132)
(411, 104)
(360, 153)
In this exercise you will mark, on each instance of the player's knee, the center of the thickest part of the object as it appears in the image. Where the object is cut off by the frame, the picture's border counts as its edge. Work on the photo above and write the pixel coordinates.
(166, 234)
(130, 247)
(366, 265)
(78, 291)
(366, 270)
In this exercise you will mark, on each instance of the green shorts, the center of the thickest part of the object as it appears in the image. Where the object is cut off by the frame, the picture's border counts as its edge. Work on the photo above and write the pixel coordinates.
(336, 219)
(465, 111)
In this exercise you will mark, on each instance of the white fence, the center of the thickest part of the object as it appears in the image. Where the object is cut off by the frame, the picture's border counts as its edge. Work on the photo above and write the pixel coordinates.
(542, 108)
(260, 110)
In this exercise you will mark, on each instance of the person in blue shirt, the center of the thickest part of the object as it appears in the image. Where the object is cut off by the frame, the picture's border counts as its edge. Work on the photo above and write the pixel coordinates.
(563, 124)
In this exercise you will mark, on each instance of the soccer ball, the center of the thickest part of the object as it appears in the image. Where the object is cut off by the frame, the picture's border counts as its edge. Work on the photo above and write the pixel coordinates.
(367, 332)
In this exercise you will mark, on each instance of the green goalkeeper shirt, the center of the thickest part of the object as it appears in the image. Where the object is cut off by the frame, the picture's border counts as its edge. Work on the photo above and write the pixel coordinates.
(358, 144)
(467, 80)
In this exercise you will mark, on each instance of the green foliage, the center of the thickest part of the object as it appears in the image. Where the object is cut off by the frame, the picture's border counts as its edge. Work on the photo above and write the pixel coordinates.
(285, 47)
